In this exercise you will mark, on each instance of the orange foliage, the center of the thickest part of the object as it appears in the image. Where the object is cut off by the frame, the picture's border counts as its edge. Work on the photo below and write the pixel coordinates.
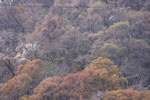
(16, 86)
(49, 83)
(32, 68)
(19, 84)
(47, 87)
(72, 87)
(80, 83)
(128, 94)
(101, 75)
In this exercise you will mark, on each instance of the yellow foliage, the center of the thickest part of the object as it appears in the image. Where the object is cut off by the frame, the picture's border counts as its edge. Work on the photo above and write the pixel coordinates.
(25, 97)
(108, 73)
(118, 24)
(95, 4)
(112, 45)
(100, 63)
(128, 94)
(98, 3)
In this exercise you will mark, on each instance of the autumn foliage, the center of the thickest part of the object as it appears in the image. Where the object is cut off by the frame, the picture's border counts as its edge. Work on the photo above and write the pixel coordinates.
(32, 68)
(19, 84)
(71, 87)
(108, 73)
(101, 75)
(15, 87)
(128, 94)
(68, 35)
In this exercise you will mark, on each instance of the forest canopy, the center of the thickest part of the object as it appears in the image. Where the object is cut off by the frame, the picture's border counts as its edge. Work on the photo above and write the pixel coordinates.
(74, 49)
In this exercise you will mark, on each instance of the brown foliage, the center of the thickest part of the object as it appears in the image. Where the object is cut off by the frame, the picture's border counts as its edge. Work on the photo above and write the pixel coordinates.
(16, 86)
(72, 87)
(32, 68)
(47, 29)
(20, 84)
(102, 75)
(48, 87)
(81, 82)
(128, 94)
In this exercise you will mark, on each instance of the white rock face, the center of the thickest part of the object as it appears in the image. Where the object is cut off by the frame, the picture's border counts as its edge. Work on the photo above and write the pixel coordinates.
(26, 52)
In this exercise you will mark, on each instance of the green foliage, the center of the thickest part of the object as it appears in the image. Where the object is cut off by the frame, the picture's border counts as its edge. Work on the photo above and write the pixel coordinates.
(107, 50)
(47, 64)
(110, 50)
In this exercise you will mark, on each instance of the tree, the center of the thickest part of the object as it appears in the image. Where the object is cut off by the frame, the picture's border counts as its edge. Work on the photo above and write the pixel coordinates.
(71, 87)
(107, 50)
(9, 19)
(32, 68)
(47, 89)
(108, 74)
(136, 5)
(7, 65)
(128, 94)
(102, 75)
(30, 13)
(28, 76)
(15, 87)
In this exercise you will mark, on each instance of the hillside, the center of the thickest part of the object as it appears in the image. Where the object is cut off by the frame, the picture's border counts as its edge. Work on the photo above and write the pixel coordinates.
(74, 50)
